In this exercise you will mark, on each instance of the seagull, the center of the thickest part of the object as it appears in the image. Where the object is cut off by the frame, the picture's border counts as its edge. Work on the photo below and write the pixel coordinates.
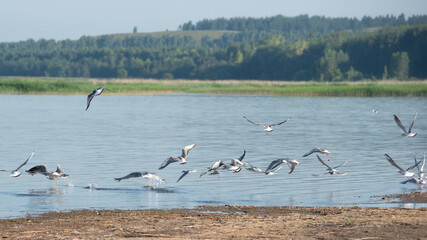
(184, 154)
(330, 170)
(276, 163)
(374, 111)
(238, 161)
(215, 167)
(185, 173)
(42, 169)
(402, 171)
(319, 150)
(406, 133)
(292, 164)
(420, 179)
(150, 176)
(235, 164)
(267, 127)
(94, 93)
(16, 173)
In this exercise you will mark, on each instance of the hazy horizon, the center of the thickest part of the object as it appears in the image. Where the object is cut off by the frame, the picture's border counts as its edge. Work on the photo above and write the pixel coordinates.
(21, 20)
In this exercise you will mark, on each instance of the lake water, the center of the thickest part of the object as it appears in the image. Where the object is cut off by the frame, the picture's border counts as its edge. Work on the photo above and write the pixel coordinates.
(122, 134)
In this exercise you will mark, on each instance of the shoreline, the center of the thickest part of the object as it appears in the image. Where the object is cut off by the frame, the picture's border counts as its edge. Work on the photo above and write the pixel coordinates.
(227, 222)
(67, 86)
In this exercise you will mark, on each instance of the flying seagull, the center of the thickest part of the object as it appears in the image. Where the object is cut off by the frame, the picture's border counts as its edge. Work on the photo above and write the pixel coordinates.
(94, 93)
(150, 176)
(420, 179)
(185, 173)
(215, 167)
(406, 133)
(402, 171)
(42, 169)
(235, 164)
(267, 127)
(184, 154)
(374, 111)
(319, 150)
(276, 163)
(329, 169)
(16, 173)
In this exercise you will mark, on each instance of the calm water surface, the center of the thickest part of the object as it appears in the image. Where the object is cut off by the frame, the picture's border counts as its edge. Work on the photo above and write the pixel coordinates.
(122, 134)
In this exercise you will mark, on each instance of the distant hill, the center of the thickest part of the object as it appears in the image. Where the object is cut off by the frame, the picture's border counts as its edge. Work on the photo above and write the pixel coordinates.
(320, 50)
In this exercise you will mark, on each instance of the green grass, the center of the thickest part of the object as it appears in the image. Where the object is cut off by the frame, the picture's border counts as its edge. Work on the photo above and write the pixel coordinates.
(21, 85)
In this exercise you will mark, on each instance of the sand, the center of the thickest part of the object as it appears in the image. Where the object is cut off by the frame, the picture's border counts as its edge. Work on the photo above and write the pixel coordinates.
(228, 222)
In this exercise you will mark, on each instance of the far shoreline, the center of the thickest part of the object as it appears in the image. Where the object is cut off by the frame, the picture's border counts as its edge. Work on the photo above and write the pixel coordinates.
(81, 86)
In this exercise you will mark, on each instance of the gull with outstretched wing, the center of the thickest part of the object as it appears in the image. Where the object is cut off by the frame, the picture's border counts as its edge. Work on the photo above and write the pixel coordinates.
(404, 172)
(15, 173)
(330, 170)
(319, 150)
(42, 169)
(407, 133)
(150, 176)
(267, 127)
(184, 154)
(94, 93)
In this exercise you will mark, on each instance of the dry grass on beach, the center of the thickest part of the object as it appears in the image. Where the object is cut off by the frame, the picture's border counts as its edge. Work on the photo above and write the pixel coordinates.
(227, 222)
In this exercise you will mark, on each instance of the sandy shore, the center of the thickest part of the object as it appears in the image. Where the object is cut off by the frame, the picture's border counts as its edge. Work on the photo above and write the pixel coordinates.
(228, 222)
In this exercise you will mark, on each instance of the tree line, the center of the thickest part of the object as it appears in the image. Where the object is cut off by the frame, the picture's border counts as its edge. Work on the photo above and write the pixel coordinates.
(303, 26)
(392, 52)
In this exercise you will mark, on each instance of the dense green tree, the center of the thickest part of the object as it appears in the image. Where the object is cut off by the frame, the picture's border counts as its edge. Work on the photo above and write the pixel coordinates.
(400, 65)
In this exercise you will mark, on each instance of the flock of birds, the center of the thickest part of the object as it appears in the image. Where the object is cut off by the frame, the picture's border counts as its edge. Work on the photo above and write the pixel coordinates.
(236, 165)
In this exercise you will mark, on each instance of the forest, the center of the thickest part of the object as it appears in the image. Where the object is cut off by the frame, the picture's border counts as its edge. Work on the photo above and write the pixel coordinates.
(301, 48)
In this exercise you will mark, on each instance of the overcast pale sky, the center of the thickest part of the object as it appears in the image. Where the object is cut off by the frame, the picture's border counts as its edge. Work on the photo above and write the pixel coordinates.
(71, 19)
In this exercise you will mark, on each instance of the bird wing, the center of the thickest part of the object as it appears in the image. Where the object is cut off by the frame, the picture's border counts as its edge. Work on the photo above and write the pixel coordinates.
(418, 166)
(186, 150)
(25, 161)
(399, 123)
(131, 175)
(4, 170)
(207, 170)
(184, 173)
(272, 171)
(422, 165)
(413, 121)
(310, 152)
(241, 157)
(320, 160)
(252, 121)
(42, 169)
(90, 97)
(415, 165)
(273, 165)
(341, 165)
(59, 170)
(280, 122)
(168, 161)
(392, 162)
(292, 165)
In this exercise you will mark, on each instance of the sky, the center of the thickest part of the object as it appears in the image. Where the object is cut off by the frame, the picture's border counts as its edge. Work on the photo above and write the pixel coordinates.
(21, 20)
